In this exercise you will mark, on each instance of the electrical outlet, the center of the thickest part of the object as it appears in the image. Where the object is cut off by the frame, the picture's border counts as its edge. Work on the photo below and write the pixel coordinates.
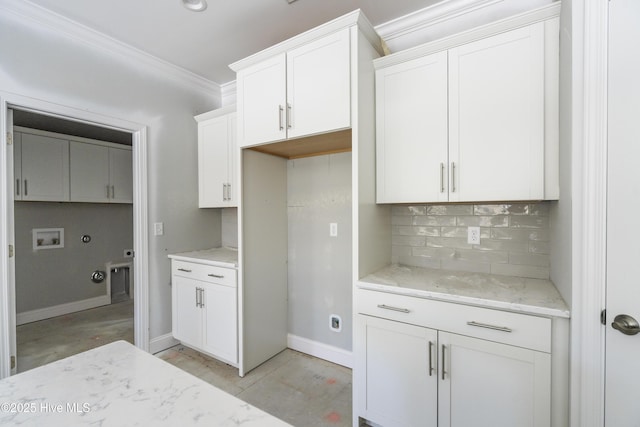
(333, 229)
(335, 323)
(473, 235)
(158, 229)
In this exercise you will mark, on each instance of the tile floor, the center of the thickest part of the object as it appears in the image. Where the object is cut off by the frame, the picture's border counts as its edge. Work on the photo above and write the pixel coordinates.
(299, 389)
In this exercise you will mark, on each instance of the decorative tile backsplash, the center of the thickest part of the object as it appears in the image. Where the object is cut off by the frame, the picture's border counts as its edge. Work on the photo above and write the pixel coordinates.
(514, 238)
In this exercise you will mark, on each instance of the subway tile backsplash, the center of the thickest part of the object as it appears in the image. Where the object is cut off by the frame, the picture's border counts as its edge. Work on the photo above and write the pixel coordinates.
(514, 238)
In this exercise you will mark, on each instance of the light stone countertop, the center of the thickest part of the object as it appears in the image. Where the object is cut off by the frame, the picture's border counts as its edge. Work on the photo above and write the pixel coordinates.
(219, 257)
(120, 385)
(518, 294)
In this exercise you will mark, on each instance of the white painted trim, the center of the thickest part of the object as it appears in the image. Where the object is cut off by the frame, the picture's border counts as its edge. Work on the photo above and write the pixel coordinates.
(162, 342)
(27, 12)
(228, 93)
(429, 16)
(61, 309)
(320, 350)
(589, 178)
(527, 18)
(350, 19)
(140, 217)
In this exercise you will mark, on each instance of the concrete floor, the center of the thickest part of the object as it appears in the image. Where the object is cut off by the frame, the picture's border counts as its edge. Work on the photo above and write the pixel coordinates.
(302, 390)
(48, 340)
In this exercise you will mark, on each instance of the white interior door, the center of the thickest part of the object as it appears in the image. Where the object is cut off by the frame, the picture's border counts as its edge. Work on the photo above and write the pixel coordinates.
(622, 389)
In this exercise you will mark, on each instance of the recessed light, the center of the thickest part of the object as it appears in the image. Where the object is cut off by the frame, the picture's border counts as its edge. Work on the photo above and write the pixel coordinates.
(195, 5)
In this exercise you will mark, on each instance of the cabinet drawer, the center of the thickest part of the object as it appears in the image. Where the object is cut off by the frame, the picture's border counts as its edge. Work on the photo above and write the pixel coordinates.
(205, 273)
(495, 325)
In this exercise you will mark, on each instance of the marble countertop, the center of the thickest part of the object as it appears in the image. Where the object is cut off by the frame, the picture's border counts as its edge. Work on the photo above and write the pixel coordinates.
(523, 295)
(220, 257)
(117, 385)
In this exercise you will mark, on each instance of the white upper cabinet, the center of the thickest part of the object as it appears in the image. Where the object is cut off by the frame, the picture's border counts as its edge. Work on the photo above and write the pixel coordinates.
(412, 134)
(100, 173)
(217, 159)
(301, 92)
(476, 122)
(496, 117)
(43, 170)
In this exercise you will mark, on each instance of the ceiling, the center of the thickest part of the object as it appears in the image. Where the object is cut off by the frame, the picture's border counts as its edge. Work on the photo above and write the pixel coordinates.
(205, 43)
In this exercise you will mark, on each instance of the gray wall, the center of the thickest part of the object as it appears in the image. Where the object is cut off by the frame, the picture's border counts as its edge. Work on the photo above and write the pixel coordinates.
(49, 277)
(41, 63)
(319, 273)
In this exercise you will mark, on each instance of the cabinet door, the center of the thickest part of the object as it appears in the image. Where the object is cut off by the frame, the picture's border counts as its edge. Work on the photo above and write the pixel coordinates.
(121, 175)
(220, 322)
(487, 384)
(17, 166)
(213, 162)
(89, 172)
(399, 384)
(186, 314)
(262, 102)
(319, 86)
(232, 156)
(496, 117)
(411, 131)
(45, 168)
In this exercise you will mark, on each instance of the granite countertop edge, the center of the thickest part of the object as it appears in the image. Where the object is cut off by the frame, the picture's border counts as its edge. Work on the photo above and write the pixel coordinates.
(555, 308)
(218, 257)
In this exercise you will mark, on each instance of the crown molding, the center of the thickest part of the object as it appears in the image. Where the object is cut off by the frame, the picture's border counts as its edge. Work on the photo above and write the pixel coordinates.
(429, 16)
(39, 17)
(228, 93)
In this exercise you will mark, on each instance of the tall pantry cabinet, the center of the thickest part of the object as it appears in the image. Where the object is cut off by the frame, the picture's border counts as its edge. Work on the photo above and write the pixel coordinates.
(309, 95)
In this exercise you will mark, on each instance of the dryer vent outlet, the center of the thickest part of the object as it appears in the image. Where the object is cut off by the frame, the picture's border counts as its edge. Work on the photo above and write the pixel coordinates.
(335, 323)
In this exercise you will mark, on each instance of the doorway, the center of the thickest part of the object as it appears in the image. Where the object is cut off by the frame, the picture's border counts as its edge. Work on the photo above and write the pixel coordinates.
(72, 283)
(138, 135)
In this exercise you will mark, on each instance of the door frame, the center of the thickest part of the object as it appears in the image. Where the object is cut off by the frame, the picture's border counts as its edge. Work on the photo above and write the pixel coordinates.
(140, 217)
(589, 22)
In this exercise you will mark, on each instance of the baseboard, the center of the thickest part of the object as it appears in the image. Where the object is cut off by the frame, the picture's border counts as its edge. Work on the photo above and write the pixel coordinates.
(320, 350)
(62, 309)
(162, 342)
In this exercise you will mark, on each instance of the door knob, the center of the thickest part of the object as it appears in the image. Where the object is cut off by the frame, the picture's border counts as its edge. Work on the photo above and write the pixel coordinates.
(626, 324)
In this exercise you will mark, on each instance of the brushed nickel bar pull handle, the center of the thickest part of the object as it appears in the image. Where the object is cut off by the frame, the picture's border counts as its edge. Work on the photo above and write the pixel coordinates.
(229, 191)
(288, 116)
(442, 177)
(453, 177)
(487, 326)
(280, 111)
(392, 308)
(217, 276)
(197, 297)
(113, 191)
(18, 187)
(185, 270)
(443, 361)
(430, 358)
(26, 189)
(201, 297)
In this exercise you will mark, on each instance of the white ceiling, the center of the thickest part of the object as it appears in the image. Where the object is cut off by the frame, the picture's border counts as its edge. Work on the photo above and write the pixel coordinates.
(206, 42)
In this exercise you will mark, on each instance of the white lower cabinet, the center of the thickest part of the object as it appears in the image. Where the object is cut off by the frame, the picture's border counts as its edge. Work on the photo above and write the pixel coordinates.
(409, 374)
(204, 303)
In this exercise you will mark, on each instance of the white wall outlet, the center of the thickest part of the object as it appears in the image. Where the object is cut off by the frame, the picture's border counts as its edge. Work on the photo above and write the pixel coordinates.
(335, 323)
(473, 235)
(158, 229)
(333, 229)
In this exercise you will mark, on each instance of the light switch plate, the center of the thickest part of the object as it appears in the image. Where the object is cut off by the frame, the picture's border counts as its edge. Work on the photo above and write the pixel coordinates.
(158, 229)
